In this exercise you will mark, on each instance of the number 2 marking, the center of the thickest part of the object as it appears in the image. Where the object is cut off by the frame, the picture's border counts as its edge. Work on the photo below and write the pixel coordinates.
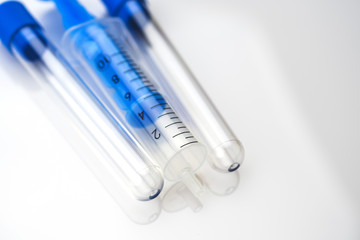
(156, 134)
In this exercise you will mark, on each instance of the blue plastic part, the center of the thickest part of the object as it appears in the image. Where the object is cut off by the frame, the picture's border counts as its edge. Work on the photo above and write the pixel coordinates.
(13, 17)
(72, 13)
(129, 11)
(23, 44)
(115, 6)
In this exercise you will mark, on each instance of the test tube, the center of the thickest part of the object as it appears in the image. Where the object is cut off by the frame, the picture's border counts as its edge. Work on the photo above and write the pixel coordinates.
(120, 163)
(183, 91)
(99, 51)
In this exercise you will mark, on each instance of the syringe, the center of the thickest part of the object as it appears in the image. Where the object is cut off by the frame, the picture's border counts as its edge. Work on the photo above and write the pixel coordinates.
(128, 94)
(119, 163)
(183, 91)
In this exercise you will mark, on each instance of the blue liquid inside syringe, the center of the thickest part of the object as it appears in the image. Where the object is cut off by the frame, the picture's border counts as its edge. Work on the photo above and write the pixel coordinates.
(132, 90)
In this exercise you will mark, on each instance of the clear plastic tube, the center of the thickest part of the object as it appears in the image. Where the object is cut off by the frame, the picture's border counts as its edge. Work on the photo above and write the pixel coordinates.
(98, 51)
(120, 163)
(182, 90)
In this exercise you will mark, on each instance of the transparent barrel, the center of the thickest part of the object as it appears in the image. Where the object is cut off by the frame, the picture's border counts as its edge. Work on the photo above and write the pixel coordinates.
(182, 89)
(99, 52)
(120, 163)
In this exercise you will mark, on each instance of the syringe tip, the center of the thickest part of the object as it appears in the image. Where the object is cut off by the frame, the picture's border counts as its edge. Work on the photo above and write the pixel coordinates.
(193, 184)
(184, 194)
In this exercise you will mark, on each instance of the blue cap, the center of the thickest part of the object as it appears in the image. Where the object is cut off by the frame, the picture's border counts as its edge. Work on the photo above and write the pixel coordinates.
(72, 13)
(114, 7)
(133, 12)
(13, 17)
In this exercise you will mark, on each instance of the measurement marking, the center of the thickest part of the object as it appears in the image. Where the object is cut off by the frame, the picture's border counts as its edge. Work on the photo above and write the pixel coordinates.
(125, 54)
(189, 137)
(159, 99)
(128, 59)
(133, 68)
(152, 95)
(172, 124)
(181, 127)
(137, 78)
(129, 70)
(167, 108)
(188, 143)
(142, 76)
(174, 117)
(180, 134)
(141, 88)
(114, 54)
(158, 105)
(165, 114)
(122, 62)
(146, 86)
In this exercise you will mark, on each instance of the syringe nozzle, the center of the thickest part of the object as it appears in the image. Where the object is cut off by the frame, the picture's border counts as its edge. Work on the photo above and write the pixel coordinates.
(193, 183)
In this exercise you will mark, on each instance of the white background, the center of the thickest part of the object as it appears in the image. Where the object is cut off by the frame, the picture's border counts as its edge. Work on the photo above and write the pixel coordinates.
(285, 75)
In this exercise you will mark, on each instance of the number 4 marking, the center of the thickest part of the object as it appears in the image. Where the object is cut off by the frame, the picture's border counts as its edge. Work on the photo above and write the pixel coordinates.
(141, 115)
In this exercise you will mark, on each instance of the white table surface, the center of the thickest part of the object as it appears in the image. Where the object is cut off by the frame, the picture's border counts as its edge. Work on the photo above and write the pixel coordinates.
(285, 75)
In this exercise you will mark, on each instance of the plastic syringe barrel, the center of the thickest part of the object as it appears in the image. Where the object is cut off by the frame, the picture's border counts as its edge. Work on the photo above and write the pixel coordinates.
(119, 163)
(184, 93)
(128, 93)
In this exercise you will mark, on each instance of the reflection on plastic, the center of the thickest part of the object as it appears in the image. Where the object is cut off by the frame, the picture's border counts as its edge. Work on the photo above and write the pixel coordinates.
(142, 212)
(218, 183)
(179, 197)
